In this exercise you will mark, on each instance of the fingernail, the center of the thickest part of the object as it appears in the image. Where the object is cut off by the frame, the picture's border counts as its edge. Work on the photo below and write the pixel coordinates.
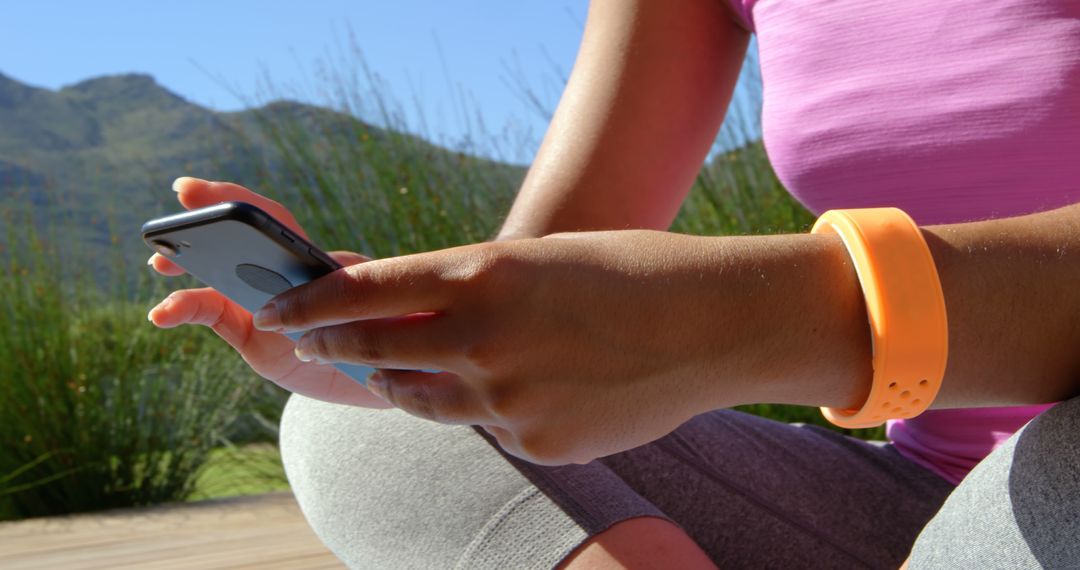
(159, 307)
(376, 383)
(303, 350)
(267, 318)
(180, 181)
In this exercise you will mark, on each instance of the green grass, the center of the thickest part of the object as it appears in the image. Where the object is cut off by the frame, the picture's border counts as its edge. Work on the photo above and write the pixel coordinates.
(246, 470)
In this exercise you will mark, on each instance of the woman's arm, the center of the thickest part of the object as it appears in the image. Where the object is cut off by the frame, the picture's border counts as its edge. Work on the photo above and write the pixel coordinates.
(1012, 292)
(643, 105)
(579, 345)
(792, 324)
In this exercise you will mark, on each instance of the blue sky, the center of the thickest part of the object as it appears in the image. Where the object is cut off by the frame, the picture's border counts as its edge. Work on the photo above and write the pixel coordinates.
(438, 56)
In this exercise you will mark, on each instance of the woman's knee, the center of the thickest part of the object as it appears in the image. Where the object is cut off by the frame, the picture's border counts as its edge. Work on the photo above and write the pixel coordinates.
(1018, 507)
(384, 489)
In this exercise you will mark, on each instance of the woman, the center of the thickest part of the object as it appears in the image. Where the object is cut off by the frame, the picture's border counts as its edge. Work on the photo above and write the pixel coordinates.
(626, 345)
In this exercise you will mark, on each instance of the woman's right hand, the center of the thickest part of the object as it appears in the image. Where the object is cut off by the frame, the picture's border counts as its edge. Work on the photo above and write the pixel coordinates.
(269, 354)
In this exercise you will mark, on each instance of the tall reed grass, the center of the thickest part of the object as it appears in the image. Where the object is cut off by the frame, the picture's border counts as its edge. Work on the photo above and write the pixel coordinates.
(99, 409)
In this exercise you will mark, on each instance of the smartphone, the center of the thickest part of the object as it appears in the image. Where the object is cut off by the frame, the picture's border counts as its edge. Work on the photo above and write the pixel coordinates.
(243, 253)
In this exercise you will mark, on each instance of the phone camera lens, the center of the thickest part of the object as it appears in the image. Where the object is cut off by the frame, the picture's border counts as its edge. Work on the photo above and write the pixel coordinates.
(165, 248)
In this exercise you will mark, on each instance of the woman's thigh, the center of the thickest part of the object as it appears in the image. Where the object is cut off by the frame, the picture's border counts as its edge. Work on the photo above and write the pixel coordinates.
(383, 489)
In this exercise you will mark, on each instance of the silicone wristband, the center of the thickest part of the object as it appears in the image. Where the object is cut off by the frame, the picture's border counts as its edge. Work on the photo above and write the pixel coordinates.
(906, 309)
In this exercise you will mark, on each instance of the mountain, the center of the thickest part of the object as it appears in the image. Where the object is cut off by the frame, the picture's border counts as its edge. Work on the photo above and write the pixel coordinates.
(94, 159)
(90, 162)
(109, 128)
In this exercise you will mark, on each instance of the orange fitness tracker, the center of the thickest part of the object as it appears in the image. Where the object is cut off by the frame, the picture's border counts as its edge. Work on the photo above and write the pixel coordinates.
(906, 308)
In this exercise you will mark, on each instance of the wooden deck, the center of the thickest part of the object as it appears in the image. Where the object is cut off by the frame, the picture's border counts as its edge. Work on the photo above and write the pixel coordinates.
(265, 531)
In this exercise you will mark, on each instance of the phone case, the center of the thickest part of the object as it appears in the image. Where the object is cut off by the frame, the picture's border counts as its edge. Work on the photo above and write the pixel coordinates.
(245, 254)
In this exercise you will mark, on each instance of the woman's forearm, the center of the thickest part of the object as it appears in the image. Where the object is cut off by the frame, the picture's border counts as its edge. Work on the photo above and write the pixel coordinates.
(644, 102)
(1012, 292)
(583, 344)
(791, 327)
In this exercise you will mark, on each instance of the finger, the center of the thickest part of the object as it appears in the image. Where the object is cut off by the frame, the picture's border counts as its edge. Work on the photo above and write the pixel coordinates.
(198, 193)
(209, 308)
(373, 290)
(347, 258)
(442, 397)
(270, 355)
(164, 265)
(336, 388)
(415, 341)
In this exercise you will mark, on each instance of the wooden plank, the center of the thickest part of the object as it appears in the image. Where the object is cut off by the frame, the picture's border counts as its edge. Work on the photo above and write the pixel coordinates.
(264, 531)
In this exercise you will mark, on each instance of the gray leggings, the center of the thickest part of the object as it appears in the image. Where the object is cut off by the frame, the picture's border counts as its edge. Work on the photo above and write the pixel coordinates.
(1019, 507)
(385, 490)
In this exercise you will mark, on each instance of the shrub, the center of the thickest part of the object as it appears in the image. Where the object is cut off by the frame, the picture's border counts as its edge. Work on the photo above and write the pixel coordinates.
(100, 410)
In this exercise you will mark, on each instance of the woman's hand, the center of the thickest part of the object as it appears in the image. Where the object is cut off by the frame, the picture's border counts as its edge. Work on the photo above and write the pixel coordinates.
(270, 355)
(572, 346)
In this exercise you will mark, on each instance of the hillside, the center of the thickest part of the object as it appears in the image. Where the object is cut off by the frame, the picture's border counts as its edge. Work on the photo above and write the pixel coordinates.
(98, 143)
(95, 159)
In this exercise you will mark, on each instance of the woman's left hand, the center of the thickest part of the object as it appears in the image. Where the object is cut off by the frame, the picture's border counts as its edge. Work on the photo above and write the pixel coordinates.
(565, 348)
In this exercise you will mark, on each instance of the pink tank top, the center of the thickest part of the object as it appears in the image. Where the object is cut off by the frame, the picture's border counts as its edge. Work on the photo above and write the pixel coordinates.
(950, 110)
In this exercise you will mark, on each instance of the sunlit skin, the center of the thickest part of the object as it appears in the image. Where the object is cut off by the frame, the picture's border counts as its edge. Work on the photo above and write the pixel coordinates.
(269, 354)
(574, 346)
